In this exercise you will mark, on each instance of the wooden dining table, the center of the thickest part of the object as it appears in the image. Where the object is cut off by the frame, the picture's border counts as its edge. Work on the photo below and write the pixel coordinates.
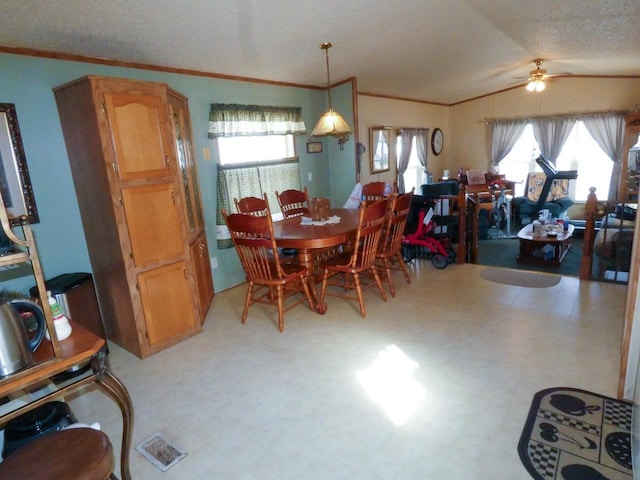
(309, 240)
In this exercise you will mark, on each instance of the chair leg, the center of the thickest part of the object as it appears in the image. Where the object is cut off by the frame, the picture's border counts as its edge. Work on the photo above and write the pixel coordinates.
(307, 293)
(379, 283)
(363, 311)
(280, 301)
(404, 268)
(247, 302)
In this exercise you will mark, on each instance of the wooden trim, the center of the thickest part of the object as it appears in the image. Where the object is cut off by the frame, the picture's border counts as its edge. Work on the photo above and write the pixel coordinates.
(198, 73)
(146, 66)
(404, 99)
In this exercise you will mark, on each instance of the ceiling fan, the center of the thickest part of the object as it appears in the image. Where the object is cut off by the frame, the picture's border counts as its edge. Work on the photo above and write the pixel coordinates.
(537, 77)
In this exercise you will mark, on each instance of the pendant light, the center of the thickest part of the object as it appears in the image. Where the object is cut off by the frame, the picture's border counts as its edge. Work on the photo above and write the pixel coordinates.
(331, 123)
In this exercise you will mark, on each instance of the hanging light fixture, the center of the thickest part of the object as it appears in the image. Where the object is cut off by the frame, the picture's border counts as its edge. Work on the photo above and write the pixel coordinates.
(536, 78)
(331, 123)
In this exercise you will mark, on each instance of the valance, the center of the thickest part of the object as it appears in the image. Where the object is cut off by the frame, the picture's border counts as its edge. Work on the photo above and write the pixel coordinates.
(233, 120)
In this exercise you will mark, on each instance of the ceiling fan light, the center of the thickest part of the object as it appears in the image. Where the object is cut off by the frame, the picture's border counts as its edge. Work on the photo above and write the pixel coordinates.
(536, 85)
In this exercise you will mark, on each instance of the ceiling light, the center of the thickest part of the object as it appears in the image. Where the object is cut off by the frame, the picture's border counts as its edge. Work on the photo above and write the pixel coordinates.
(331, 122)
(536, 78)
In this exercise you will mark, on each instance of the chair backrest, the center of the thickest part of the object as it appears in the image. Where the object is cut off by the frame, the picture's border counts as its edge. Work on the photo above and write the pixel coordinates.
(255, 243)
(372, 217)
(373, 191)
(258, 207)
(294, 203)
(396, 222)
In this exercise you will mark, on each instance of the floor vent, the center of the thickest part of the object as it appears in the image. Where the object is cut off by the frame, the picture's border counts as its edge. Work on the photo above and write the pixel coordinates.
(160, 451)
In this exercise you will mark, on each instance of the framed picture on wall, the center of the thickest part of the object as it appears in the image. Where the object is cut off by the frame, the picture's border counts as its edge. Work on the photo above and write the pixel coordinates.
(15, 184)
(314, 147)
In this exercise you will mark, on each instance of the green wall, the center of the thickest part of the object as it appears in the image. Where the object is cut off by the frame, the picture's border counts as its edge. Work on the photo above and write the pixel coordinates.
(28, 82)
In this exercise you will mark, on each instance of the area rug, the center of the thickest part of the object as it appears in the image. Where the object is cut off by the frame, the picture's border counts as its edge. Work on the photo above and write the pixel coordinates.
(572, 434)
(519, 278)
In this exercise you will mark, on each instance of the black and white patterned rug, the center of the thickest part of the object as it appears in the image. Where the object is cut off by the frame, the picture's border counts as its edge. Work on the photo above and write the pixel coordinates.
(572, 434)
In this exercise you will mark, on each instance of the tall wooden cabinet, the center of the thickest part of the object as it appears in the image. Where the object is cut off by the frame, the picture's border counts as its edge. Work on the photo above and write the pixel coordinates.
(630, 165)
(129, 147)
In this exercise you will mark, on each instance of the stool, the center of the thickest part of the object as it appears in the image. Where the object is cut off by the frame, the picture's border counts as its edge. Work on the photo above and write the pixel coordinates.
(72, 454)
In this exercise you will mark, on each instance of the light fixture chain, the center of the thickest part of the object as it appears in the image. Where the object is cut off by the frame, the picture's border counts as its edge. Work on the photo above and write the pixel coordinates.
(326, 51)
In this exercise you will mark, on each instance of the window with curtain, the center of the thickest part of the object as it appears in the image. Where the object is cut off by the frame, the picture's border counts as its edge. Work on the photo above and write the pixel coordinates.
(580, 152)
(256, 154)
(590, 143)
(411, 148)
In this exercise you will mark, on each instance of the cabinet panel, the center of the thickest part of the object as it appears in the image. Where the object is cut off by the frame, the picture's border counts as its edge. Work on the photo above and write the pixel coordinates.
(167, 301)
(154, 222)
(630, 169)
(186, 161)
(137, 123)
(202, 274)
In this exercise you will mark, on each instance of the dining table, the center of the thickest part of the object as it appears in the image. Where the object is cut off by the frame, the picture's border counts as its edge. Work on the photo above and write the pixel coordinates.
(311, 239)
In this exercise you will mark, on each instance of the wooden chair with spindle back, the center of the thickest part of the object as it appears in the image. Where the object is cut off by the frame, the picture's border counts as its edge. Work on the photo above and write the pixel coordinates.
(253, 205)
(294, 203)
(345, 269)
(373, 191)
(255, 243)
(389, 256)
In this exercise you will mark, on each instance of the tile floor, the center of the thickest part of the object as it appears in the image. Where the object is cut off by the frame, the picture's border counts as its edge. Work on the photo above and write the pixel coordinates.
(249, 403)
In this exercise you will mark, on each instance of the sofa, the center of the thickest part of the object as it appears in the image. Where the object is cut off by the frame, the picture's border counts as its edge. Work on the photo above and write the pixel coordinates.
(526, 207)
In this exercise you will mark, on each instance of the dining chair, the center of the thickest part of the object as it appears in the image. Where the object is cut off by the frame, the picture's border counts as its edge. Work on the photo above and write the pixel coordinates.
(255, 243)
(294, 203)
(373, 191)
(253, 205)
(344, 270)
(389, 257)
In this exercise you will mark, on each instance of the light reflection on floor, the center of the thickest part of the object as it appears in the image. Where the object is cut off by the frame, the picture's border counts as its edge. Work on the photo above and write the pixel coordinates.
(389, 382)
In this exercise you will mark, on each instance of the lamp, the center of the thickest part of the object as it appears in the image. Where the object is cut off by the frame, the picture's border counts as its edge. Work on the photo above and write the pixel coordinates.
(331, 122)
(536, 78)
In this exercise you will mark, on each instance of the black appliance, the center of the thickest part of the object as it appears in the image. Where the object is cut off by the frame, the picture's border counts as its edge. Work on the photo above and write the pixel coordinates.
(47, 418)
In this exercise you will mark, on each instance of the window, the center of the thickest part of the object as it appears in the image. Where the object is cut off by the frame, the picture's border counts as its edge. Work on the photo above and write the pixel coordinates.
(236, 150)
(580, 152)
(256, 154)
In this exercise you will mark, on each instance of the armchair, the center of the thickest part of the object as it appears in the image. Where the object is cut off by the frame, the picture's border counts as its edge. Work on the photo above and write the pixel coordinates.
(526, 208)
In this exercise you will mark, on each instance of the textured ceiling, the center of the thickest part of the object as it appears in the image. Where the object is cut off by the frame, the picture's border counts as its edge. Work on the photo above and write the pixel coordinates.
(443, 51)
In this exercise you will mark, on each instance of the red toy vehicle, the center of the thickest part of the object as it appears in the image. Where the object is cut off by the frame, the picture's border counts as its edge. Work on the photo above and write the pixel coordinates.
(423, 242)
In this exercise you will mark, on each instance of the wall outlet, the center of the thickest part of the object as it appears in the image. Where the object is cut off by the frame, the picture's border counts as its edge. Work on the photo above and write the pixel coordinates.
(214, 262)
(310, 176)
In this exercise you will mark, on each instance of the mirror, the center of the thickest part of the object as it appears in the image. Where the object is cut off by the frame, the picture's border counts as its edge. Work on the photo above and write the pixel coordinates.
(381, 148)
(15, 184)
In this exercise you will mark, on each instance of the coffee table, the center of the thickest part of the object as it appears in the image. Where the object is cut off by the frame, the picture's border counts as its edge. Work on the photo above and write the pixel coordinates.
(531, 246)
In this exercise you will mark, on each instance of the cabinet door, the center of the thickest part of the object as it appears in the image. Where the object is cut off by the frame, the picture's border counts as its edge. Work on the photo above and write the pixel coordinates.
(167, 302)
(154, 220)
(186, 161)
(140, 133)
(202, 274)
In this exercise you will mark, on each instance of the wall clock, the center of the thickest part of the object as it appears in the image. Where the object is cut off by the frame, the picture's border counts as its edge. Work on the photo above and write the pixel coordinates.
(437, 141)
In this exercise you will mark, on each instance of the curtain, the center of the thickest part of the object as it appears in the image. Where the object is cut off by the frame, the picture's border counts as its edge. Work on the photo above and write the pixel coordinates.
(607, 129)
(504, 136)
(551, 134)
(232, 120)
(422, 140)
(406, 139)
(252, 181)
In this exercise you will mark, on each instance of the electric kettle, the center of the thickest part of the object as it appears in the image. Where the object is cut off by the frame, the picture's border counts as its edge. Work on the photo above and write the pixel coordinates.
(15, 347)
